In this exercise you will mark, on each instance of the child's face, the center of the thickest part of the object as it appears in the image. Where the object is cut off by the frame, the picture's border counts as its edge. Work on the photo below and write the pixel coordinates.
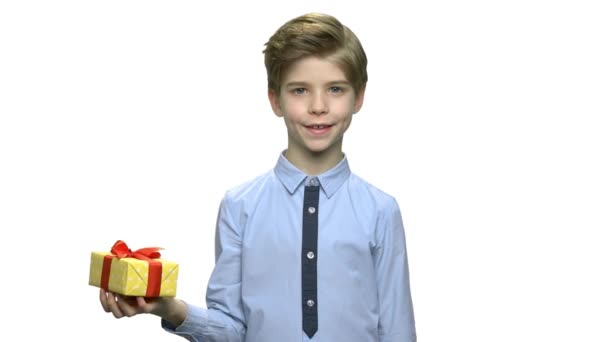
(317, 103)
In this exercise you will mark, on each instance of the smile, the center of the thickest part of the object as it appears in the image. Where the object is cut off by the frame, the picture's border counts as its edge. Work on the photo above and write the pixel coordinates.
(319, 129)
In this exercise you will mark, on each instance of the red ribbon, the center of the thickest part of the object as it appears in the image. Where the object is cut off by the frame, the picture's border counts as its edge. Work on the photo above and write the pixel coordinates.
(155, 270)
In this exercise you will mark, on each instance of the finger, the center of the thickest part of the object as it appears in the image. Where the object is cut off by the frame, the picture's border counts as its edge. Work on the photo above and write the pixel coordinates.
(103, 299)
(113, 305)
(146, 305)
(127, 305)
(141, 302)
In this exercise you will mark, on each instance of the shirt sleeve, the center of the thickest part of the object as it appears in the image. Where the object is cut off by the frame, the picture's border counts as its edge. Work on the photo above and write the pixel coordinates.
(392, 277)
(223, 320)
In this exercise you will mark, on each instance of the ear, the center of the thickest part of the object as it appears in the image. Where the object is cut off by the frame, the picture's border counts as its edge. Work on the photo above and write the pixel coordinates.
(359, 99)
(275, 102)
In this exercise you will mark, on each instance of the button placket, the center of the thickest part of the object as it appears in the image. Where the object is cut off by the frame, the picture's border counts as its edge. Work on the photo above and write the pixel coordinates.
(310, 222)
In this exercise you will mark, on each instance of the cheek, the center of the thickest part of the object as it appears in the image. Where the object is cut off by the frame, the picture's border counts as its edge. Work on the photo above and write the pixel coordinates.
(347, 122)
(286, 106)
(346, 110)
(347, 105)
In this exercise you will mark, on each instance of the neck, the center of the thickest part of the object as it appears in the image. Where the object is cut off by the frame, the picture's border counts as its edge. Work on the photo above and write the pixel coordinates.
(314, 163)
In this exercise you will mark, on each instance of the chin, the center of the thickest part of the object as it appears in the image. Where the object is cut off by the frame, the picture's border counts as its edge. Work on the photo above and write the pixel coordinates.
(318, 149)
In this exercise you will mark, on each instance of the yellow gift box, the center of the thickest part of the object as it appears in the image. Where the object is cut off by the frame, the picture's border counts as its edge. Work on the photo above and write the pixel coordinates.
(139, 273)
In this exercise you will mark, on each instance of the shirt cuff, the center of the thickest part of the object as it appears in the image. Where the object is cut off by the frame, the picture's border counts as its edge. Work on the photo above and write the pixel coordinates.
(196, 318)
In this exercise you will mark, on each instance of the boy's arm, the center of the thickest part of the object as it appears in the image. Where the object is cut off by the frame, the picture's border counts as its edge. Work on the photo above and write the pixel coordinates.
(223, 320)
(392, 277)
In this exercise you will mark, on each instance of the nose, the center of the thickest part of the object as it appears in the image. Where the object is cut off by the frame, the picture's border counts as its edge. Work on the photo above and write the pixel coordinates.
(318, 104)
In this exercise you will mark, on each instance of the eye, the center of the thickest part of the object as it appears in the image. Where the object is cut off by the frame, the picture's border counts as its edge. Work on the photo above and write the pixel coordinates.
(335, 90)
(298, 91)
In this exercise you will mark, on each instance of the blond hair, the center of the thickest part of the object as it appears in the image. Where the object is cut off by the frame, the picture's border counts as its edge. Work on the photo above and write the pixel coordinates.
(319, 35)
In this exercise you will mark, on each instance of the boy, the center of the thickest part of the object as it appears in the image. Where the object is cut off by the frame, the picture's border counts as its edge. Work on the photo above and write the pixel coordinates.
(307, 251)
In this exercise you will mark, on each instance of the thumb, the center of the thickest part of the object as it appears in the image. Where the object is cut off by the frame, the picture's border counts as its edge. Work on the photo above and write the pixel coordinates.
(141, 302)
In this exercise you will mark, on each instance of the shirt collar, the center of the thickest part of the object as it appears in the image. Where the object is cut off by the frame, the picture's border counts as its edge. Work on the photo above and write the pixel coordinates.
(330, 180)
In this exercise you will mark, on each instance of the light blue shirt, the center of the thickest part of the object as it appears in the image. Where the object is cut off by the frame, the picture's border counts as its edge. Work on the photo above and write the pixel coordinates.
(254, 293)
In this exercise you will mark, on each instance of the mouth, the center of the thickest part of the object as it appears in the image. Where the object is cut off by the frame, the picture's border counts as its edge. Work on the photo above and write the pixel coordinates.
(318, 126)
(318, 129)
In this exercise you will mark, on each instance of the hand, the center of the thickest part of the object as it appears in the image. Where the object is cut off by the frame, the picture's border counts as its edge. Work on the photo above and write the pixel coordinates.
(124, 306)
(120, 306)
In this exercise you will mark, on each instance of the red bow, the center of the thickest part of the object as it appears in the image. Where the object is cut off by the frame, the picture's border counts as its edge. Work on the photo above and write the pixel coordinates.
(121, 250)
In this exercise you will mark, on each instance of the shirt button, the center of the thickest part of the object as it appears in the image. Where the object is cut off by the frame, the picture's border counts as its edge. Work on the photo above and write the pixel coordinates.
(310, 255)
(313, 182)
(310, 303)
(311, 210)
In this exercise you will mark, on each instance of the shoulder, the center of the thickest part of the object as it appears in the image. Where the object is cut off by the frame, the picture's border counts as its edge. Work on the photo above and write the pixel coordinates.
(239, 201)
(377, 199)
(249, 189)
(376, 208)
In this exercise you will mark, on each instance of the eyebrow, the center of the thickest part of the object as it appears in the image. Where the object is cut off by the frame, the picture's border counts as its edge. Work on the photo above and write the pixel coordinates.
(332, 83)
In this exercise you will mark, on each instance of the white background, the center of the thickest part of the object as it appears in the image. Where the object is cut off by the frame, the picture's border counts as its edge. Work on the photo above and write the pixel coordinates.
(485, 119)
